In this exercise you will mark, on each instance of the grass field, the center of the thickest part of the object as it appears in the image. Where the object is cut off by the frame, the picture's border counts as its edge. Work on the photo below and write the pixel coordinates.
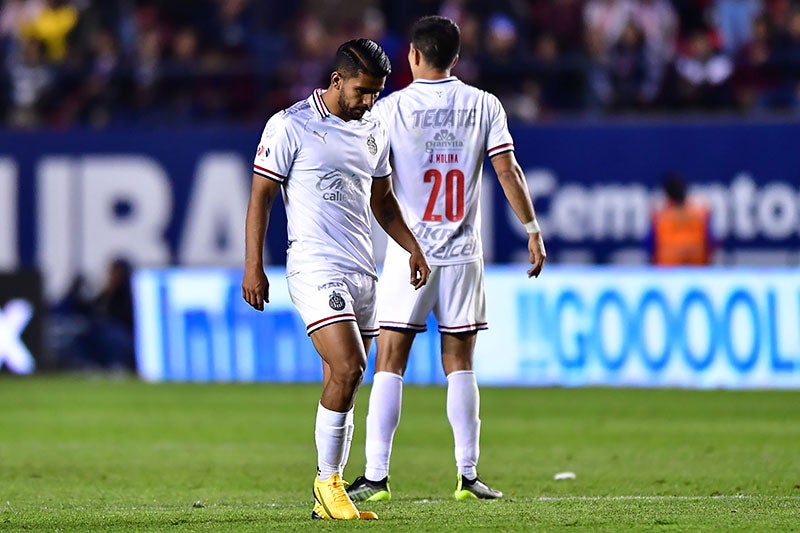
(82, 454)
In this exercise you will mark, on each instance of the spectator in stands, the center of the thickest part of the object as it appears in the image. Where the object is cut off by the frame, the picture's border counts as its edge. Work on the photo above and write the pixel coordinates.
(658, 22)
(103, 88)
(563, 19)
(756, 75)
(704, 76)
(605, 21)
(733, 19)
(787, 58)
(31, 81)
(632, 75)
(52, 27)
(681, 228)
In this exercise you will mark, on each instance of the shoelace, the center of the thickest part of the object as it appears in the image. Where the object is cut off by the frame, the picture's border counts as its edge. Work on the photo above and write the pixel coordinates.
(338, 492)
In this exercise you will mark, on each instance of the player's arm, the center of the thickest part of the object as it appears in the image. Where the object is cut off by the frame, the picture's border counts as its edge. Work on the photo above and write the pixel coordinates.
(255, 286)
(511, 178)
(387, 212)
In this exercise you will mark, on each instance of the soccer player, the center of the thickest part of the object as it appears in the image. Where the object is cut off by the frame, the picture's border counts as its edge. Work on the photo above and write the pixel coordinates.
(440, 129)
(333, 165)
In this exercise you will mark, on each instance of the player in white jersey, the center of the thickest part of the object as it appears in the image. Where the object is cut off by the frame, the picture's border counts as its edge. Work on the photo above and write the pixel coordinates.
(440, 130)
(333, 165)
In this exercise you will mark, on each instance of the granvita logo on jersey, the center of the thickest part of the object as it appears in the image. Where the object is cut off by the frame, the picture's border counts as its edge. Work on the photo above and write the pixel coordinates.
(444, 140)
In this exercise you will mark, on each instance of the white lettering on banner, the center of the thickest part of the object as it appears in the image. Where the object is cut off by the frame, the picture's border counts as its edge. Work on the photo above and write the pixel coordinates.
(127, 205)
(214, 228)
(8, 214)
(59, 242)
(598, 212)
(13, 352)
(683, 328)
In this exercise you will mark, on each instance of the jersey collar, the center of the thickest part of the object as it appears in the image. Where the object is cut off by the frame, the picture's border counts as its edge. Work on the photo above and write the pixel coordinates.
(318, 104)
(435, 82)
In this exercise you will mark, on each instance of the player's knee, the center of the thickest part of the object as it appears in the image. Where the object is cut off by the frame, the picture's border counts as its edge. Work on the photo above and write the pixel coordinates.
(349, 373)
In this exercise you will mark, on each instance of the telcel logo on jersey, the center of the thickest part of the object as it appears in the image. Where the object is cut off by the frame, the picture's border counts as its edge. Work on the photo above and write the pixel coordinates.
(461, 242)
(337, 186)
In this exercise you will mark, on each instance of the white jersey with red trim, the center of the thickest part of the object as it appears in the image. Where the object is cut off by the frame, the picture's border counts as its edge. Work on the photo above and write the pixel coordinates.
(326, 166)
(440, 131)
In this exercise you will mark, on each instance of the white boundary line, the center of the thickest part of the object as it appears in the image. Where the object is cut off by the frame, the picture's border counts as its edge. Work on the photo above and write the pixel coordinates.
(638, 497)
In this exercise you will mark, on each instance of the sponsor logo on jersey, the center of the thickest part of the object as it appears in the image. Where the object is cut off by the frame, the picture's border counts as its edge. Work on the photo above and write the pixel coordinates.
(444, 118)
(372, 146)
(330, 284)
(337, 186)
(263, 151)
(447, 243)
(336, 301)
(444, 140)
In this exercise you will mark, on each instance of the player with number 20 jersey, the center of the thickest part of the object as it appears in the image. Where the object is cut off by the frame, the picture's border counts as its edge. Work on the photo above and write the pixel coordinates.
(440, 131)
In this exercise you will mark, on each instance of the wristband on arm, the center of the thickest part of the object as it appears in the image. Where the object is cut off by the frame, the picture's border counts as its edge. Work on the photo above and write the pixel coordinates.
(532, 226)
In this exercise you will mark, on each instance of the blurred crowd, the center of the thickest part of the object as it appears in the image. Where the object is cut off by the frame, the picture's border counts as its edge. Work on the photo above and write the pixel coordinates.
(103, 63)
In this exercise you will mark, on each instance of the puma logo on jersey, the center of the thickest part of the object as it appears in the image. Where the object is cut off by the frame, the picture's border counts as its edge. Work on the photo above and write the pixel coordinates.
(320, 135)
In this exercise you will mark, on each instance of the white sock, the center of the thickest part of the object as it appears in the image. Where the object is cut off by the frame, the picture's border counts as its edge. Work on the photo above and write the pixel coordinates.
(383, 417)
(463, 406)
(329, 435)
(349, 426)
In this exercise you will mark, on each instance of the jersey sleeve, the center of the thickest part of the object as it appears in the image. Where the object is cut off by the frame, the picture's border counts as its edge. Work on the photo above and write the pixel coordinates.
(276, 150)
(498, 138)
(384, 167)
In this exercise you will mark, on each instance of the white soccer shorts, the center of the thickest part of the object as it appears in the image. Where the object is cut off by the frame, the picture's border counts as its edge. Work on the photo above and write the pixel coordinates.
(328, 297)
(455, 294)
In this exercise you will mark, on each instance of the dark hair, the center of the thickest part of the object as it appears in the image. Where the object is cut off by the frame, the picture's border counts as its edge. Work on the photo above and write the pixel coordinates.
(438, 39)
(675, 187)
(362, 55)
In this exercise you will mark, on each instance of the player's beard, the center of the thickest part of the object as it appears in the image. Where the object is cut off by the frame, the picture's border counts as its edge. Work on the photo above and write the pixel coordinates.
(351, 112)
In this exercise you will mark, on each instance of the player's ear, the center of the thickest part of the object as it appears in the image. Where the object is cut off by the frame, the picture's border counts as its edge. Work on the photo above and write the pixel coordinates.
(453, 64)
(414, 57)
(336, 80)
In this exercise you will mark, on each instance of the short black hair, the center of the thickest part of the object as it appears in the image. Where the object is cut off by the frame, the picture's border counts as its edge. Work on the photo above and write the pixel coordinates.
(675, 187)
(438, 39)
(362, 55)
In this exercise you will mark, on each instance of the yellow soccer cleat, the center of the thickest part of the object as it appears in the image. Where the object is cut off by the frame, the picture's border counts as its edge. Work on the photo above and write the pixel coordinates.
(319, 514)
(332, 497)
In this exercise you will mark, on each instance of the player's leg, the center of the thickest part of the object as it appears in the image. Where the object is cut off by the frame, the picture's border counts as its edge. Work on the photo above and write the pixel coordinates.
(383, 415)
(341, 348)
(327, 309)
(349, 421)
(462, 312)
(402, 312)
(463, 412)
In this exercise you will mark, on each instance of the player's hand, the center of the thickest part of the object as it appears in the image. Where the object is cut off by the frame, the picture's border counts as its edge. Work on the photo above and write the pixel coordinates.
(255, 287)
(419, 268)
(538, 255)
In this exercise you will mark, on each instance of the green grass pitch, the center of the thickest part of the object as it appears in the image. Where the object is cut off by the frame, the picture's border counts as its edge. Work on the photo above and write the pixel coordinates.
(82, 454)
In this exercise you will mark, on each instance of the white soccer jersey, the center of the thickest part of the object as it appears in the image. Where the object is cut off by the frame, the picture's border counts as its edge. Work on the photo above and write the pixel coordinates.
(440, 131)
(326, 166)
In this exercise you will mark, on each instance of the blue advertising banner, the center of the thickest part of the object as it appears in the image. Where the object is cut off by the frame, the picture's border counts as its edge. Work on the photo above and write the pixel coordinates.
(614, 326)
(70, 202)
